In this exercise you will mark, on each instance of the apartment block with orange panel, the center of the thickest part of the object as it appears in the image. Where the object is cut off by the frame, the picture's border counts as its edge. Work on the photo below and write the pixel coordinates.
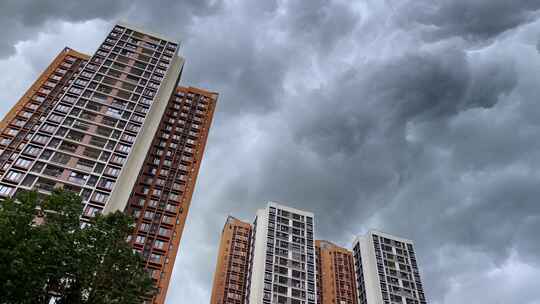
(230, 277)
(24, 118)
(161, 197)
(336, 282)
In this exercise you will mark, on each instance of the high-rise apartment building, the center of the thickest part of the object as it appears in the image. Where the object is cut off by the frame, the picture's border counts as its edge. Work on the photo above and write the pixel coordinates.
(282, 267)
(115, 128)
(336, 279)
(161, 196)
(230, 277)
(387, 270)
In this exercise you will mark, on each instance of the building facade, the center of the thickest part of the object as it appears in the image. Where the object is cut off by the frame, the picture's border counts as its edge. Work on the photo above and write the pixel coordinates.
(336, 280)
(387, 270)
(230, 277)
(100, 123)
(287, 267)
(23, 120)
(115, 128)
(161, 197)
(282, 267)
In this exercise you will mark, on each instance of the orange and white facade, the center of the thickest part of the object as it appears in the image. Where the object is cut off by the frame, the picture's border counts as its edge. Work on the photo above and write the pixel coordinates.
(287, 267)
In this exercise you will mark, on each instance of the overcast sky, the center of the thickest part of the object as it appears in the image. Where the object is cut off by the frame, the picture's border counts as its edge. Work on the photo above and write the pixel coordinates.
(420, 118)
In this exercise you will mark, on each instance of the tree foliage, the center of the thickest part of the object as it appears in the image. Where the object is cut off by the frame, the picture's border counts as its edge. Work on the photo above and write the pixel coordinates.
(57, 257)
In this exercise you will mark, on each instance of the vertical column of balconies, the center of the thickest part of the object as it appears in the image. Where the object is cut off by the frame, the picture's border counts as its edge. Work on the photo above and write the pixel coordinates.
(230, 278)
(359, 273)
(344, 277)
(318, 272)
(235, 280)
(311, 286)
(335, 274)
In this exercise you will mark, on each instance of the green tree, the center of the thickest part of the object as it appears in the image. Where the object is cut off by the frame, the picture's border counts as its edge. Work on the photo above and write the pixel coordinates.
(56, 257)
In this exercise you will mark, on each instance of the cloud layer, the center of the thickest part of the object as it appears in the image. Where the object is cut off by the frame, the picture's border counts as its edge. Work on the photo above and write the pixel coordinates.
(419, 118)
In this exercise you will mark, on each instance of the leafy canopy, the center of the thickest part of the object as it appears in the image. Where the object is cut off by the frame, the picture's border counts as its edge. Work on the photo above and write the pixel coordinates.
(45, 252)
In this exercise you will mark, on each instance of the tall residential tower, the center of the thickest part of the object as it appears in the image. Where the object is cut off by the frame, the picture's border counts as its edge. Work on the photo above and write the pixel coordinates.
(230, 277)
(283, 257)
(387, 270)
(115, 128)
(336, 280)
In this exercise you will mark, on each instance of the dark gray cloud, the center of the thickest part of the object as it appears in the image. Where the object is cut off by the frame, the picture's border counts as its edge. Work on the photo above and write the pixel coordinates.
(321, 23)
(25, 19)
(478, 20)
(22, 20)
(418, 117)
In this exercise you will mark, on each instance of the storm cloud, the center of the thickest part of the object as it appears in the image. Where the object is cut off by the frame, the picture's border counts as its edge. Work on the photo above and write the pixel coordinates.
(419, 118)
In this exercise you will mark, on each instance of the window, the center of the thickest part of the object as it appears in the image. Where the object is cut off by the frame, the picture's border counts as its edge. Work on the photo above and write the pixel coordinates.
(159, 244)
(137, 118)
(26, 114)
(31, 150)
(12, 132)
(170, 207)
(164, 231)
(167, 220)
(69, 99)
(153, 203)
(117, 159)
(100, 197)
(173, 197)
(41, 139)
(91, 152)
(61, 158)
(14, 176)
(5, 141)
(91, 211)
(75, 136)
(23, 163)
(5, 190)
(48, 128)
(84, 164)
(133, 127)
(128, 138)
(112, 171)
(156, 258)
(106, 183)
(177, 186)
(75, 90)
(114, 112)
(77, 177)
(144, 227)
(56, 118)
(62, 108)
(123, 148)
